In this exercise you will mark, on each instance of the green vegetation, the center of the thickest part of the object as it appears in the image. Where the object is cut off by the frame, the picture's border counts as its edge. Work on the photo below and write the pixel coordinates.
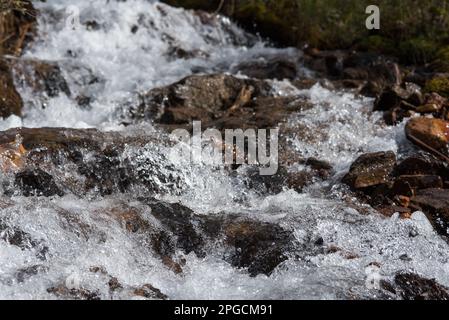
(416, 31)
(17, 5)
(439, 85)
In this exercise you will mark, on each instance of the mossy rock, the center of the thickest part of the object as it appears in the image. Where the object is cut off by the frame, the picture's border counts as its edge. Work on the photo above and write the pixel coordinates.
(439, 85)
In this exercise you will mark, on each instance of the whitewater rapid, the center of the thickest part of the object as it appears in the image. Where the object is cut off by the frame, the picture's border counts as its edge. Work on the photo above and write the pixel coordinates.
(126, 63)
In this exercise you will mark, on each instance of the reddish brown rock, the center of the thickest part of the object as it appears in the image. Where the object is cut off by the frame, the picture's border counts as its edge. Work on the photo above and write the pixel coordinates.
(408, 184)
(149, 292)
(371, 170)
(428, 131)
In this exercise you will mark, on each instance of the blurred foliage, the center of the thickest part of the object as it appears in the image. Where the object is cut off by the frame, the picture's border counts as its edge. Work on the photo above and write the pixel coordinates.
(18, 5)
(439, 85)
(416, 31)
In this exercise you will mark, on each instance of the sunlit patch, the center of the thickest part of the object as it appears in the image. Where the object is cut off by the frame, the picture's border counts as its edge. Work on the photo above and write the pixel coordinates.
(12, 155)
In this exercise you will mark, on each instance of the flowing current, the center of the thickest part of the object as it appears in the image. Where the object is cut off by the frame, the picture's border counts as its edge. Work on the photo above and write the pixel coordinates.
(128, 51)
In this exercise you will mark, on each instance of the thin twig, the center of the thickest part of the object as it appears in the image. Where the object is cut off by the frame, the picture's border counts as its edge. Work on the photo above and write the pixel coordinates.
(428, 148)
(219, 7)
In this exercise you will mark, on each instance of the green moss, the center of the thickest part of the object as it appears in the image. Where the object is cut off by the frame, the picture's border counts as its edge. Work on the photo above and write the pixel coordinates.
(439, 85)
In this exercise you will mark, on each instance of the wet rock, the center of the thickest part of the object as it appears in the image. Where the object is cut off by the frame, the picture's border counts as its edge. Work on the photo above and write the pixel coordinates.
(25, 273)
(304, 84)
(413, 287)
(195, 98)
(254, 245)
(12, 156)
(179, 220)
(176, 52)
(37, 183)
(219, 101)
(377, 72)
(271, 184)
(17, 28)
(435, 204)
(367, 72)
(130, 218)
(371, 170)
(19, 238)
(43, 77)
(260, 112)
(407, 185)
(114, 284)
(10, 101)
(63, 292)
(103, 171)
(395, 96)
(269, 68)
(396, 115)
(422, 165)
(259, 247)
(288, 178)
(428, 133)
(149, 292)
(435, 102)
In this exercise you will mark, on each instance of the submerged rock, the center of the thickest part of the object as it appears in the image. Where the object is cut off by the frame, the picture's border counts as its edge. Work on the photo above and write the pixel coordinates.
(36, 183)
(91, 161)
(43, 77)
(23, 240)
(149, 292)
(63, 292)
(259, 247)
(246, 243)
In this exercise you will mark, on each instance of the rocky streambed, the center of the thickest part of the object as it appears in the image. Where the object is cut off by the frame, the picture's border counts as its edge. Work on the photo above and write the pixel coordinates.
(93, 205)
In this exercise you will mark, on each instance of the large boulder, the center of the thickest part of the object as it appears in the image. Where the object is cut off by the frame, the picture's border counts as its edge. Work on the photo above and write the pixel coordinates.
(246, 243)
(92, 161)
(43, 77)
(221, 101)
(202, 98)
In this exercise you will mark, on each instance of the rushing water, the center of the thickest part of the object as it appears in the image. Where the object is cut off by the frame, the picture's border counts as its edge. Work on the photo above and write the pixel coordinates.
(126, 63)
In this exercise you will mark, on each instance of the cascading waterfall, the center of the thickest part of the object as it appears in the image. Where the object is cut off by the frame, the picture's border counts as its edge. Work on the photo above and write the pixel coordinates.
(128, 50)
